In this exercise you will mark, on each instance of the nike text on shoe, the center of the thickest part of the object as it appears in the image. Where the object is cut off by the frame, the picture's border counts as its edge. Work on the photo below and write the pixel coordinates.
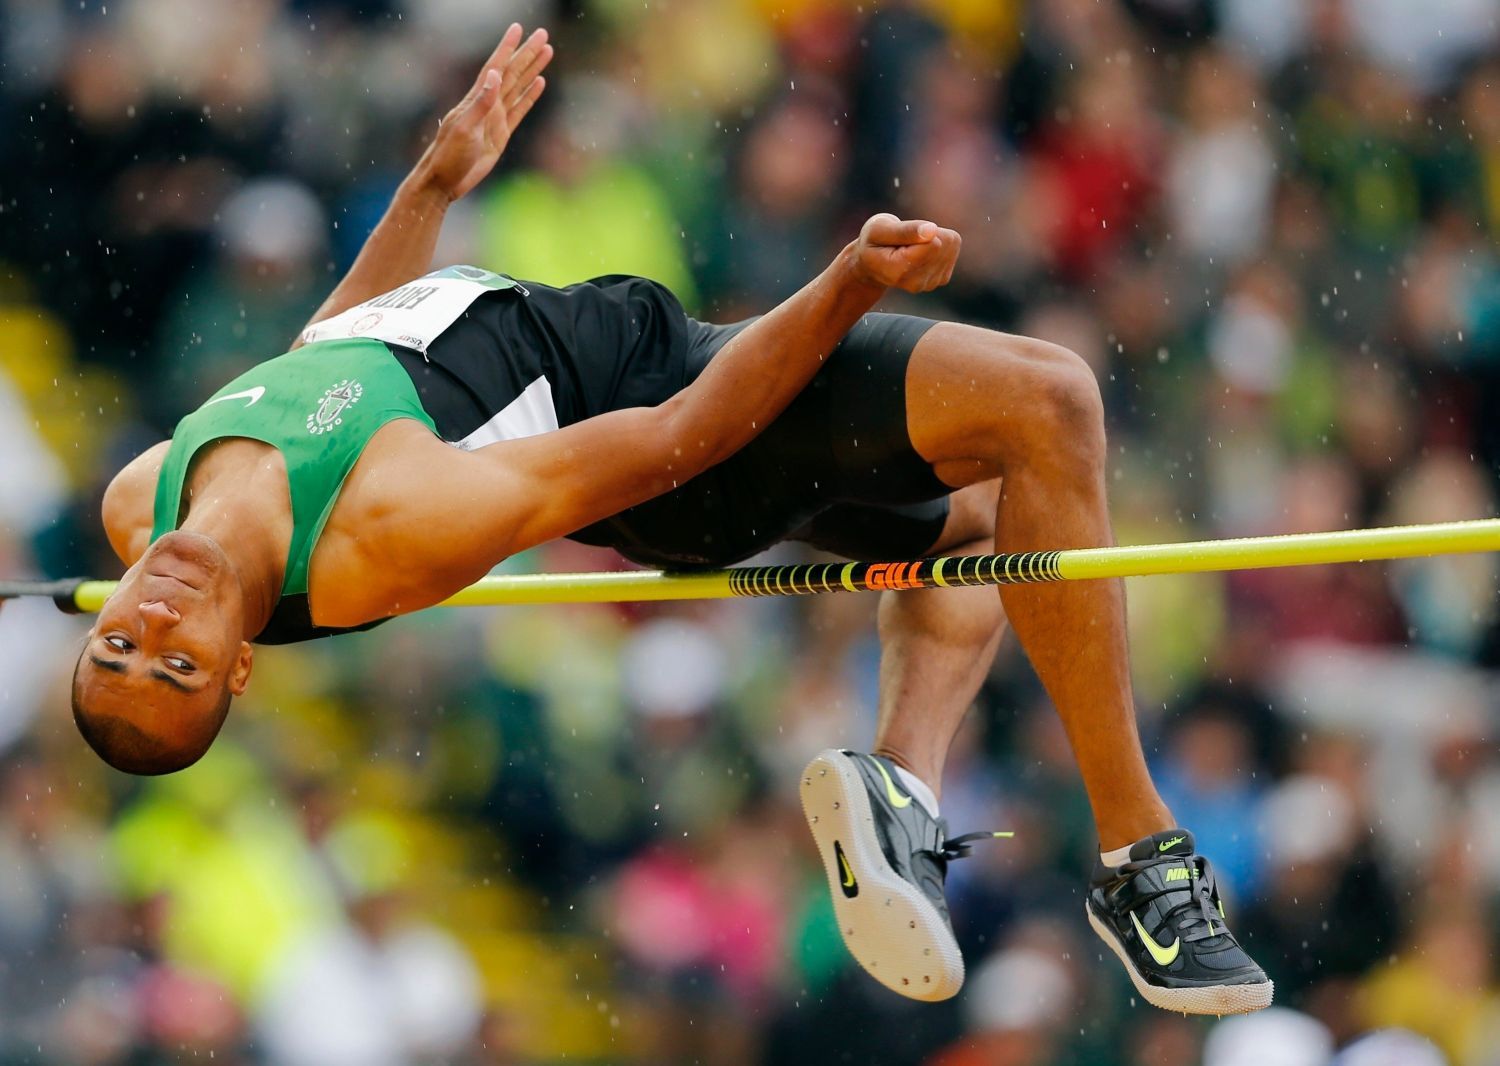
(886, 859)
(1162, 915)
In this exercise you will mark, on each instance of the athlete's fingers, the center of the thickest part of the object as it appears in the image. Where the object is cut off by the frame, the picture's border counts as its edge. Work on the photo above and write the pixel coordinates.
(910, 232)
(941, 254)
(515, 69)
(519, 109)
(957, 250)
(503, 51)
(476, 102)
(520, 84)
(538, 63)
(890, 231)
(522, 55)
(489, 92)
(932, 262)
(942, 268)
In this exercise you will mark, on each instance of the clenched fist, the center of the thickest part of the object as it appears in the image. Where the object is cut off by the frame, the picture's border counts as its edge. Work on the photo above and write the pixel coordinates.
(913, 255)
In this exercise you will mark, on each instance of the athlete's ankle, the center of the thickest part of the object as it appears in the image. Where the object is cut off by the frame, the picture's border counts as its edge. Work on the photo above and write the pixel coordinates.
(1116, 856)
(917, 784)
(1118, 836)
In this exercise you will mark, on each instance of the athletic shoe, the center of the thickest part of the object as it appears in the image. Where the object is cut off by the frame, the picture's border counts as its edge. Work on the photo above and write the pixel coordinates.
(887, 859)
(1162, 915)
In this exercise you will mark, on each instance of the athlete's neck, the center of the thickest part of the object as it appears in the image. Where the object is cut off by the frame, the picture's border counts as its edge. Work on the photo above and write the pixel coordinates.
(227, 500)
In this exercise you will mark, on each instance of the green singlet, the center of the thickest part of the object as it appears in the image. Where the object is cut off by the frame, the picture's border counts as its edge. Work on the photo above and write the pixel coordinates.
(318, 406)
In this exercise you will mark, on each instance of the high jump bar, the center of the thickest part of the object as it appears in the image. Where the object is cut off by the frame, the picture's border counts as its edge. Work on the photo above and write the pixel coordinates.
(80, 595)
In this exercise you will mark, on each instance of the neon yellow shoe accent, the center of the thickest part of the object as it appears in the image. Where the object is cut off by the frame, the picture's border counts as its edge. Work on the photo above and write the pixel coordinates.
(1165, 844)
(897, 800)
(1179, 873)
(848, 873)
(1163, 956)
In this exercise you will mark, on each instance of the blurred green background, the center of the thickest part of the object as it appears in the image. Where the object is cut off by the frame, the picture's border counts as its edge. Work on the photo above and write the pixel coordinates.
(570, 834)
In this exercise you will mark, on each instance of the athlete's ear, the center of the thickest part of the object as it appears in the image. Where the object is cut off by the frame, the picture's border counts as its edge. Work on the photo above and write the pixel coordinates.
(239, 673)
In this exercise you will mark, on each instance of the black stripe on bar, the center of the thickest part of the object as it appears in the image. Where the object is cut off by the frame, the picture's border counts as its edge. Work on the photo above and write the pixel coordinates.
(60, 592)
(801, 579)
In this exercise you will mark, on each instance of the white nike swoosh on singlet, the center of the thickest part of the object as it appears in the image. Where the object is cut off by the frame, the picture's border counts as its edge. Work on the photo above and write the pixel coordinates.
(254, 394)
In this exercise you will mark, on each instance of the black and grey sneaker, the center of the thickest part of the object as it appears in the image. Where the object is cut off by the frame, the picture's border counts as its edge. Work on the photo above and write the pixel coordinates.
(887, 859)
(1162, 915)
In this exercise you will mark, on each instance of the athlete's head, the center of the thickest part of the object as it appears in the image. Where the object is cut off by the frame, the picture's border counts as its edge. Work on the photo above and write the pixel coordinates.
(166, 655)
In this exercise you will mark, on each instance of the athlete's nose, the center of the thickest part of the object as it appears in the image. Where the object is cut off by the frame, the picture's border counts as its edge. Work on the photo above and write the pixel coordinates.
(158, 613)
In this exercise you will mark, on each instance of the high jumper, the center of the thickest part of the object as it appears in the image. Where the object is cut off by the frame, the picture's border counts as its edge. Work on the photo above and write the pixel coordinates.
(429, 425)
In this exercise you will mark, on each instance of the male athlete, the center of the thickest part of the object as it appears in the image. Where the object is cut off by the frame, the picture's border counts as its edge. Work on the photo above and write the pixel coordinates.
(430, 426)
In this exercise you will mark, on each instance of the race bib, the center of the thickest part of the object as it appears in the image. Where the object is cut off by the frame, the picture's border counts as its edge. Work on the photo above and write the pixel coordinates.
(415, 314)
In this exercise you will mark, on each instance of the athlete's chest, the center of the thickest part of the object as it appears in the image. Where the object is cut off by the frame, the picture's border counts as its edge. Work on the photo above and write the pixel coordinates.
(243, 478)
(248, 479)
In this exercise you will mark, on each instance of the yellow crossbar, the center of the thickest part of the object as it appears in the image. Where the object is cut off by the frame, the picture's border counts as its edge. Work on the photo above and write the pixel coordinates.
(1075, 564)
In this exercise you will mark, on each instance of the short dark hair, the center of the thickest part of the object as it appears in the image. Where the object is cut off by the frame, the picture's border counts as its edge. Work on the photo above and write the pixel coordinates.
(130, 749)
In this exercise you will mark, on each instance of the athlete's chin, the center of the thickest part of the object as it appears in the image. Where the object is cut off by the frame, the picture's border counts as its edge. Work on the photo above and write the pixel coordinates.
(185, 571)
(180, 552)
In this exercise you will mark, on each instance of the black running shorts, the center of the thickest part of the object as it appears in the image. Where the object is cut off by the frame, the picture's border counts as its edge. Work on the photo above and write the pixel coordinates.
(837, 469)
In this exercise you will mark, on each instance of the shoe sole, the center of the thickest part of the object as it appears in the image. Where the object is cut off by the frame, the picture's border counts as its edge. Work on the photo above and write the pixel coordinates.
(889, 926)
(1203, 999)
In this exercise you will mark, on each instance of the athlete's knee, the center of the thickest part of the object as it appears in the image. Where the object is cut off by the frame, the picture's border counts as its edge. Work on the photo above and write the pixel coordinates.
(1053, 398)
(1067, 399)
(992, 402)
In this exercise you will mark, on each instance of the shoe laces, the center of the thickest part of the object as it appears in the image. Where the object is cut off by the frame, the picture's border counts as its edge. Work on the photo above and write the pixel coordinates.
(960, 846)
(1208, 921)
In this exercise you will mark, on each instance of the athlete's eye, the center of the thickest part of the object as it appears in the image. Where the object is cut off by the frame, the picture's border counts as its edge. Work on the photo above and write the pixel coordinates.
(118, 643)
(180, 665)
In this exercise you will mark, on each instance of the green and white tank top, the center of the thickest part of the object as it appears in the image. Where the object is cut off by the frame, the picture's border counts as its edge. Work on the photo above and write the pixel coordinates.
(319, 406)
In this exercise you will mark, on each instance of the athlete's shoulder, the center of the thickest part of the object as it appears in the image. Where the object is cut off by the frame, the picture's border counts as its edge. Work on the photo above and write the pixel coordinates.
(128, 501)
(305, 364)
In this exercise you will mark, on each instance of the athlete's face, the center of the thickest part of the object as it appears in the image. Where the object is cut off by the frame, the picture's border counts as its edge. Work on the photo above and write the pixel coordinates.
(168, 645)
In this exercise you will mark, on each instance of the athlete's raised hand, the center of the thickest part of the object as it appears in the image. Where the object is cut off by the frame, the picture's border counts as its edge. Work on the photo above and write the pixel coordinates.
(471, 137)
(905, 254)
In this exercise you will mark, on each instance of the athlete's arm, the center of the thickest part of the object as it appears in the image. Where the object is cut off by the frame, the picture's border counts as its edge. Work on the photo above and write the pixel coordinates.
(477, 508)
(469, 141)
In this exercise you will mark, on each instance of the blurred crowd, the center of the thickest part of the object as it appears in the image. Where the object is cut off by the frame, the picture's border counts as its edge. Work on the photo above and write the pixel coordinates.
(570, 833)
